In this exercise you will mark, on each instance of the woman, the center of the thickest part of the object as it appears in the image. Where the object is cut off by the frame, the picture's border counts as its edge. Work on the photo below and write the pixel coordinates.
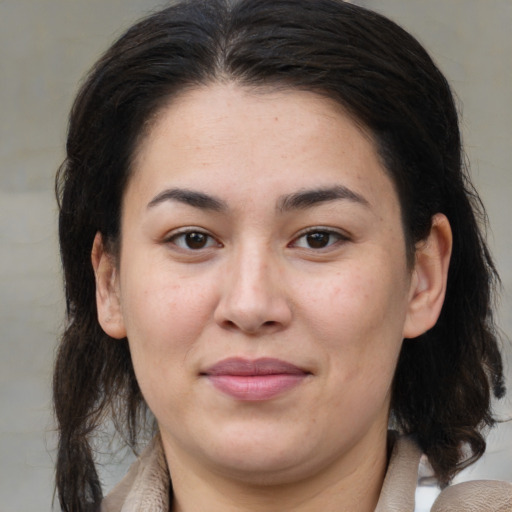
(271, 246)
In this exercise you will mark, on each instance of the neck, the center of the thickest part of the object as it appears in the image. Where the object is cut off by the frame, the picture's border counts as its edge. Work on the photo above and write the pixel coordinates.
(353, 483)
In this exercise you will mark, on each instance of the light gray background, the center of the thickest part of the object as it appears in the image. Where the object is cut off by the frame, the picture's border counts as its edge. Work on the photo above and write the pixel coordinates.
(45, 48)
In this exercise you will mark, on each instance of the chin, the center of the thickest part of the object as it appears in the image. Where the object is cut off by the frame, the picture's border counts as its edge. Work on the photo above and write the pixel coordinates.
(258, 459)
(264, 469)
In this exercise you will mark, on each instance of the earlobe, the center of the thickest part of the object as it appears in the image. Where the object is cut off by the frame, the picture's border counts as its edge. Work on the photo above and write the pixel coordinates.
(429, 279)
(108, 303)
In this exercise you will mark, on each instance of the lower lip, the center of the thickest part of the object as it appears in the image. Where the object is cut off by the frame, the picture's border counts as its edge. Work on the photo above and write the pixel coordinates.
(257, 387)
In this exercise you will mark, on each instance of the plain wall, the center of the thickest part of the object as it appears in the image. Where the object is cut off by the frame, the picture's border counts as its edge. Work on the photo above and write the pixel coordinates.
(45, 48)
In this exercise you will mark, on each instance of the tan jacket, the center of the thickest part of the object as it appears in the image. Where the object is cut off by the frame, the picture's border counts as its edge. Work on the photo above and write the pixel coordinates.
(145, 488)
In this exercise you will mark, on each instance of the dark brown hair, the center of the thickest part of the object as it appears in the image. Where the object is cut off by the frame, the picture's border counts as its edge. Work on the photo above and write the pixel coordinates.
(387, 82)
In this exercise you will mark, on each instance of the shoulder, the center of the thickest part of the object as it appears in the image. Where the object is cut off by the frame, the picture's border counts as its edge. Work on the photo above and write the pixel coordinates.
(400, 483)
(476, 496)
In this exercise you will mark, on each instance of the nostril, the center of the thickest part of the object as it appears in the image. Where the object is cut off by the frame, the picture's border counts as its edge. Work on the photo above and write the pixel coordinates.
(252, 328)
(229, 324)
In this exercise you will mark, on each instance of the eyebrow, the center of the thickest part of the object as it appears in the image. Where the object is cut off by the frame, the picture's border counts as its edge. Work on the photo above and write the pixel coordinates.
(297, 201)
(308, 198)
(190, 197)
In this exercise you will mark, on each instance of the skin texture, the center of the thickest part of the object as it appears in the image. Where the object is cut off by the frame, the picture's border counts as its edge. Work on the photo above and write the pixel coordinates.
(253, 286)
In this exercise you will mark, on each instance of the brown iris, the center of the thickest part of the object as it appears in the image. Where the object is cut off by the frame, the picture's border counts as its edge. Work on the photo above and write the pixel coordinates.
(318, 239)
(196, 240)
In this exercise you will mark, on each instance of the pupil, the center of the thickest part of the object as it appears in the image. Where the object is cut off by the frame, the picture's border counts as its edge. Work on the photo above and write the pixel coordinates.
(318, 240)
(196, 240)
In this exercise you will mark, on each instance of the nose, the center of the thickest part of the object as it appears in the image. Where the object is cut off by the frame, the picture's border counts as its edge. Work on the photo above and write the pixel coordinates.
(253, 298)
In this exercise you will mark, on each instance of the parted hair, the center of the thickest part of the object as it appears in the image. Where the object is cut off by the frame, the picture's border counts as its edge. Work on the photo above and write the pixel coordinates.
(384, 79)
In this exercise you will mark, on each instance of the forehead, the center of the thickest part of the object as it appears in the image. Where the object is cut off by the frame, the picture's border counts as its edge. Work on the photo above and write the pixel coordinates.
(225, 137)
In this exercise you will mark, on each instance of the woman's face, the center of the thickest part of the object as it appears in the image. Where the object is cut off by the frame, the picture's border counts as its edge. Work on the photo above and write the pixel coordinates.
(262, 283)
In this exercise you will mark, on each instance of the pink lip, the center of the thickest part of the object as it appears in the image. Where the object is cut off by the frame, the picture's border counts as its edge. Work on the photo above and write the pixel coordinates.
(254, 380)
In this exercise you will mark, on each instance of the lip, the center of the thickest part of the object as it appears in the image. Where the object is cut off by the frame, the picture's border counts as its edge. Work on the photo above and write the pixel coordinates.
(254, 380)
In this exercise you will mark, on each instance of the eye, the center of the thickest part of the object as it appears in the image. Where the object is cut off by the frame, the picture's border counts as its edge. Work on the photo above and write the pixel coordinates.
(193, 240)
(318, 239)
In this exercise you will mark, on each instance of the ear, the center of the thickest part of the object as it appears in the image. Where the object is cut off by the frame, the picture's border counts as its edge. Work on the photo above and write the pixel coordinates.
(429, 278)
(108, 302)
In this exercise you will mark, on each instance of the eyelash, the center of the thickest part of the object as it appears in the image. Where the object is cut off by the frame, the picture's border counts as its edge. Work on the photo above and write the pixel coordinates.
(182, 234)
(330, 233)
(210, 241)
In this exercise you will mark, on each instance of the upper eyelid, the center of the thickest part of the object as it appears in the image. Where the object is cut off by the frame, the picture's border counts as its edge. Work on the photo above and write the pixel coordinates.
(326, 229)
(171, 235)
(341, 237)
(185, 230)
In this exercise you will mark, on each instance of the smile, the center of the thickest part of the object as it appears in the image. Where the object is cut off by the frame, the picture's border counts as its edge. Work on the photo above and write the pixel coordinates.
(254, 380)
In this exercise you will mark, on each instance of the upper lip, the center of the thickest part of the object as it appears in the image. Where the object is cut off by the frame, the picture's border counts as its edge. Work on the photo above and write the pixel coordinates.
(239, 366)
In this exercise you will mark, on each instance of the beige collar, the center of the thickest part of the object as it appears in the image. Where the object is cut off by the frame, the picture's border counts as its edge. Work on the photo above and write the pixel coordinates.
(145, 488)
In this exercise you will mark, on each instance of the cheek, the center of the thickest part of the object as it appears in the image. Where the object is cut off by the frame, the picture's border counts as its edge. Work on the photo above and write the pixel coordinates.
(164, 317)
(357, 317)
(157, 300)
(359, 326)
(356, 300)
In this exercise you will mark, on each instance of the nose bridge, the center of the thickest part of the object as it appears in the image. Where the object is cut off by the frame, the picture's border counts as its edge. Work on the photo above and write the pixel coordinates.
(253, 295)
